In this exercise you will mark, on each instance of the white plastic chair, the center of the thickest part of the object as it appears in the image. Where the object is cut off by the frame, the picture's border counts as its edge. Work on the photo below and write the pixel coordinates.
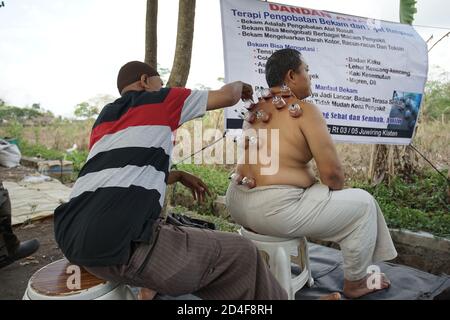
(279, 252)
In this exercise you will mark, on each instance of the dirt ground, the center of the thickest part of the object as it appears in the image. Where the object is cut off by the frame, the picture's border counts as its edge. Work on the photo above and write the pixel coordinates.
(14, 278)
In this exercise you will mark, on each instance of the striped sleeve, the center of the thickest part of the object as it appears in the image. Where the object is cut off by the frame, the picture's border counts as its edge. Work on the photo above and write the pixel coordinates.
(185, 105)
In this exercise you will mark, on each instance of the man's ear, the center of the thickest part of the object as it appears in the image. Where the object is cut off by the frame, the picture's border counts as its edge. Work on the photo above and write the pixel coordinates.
(143, 81)
(289, 78)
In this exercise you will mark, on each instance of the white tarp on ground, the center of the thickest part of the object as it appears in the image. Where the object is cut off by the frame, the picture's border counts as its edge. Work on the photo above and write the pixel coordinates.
(32, 201)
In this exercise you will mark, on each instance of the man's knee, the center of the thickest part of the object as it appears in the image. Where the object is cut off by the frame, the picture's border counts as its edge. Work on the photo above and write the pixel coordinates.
(361, 196)
(366, 203)
(246, 248)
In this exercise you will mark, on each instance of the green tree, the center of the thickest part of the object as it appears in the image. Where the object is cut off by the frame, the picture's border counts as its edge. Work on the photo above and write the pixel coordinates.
(151, 34)
(183, 49)
(14, 129)
(91, 108)
(437, 100)
(407, 11)
(385, 161)
(11, 113)
(85, 110)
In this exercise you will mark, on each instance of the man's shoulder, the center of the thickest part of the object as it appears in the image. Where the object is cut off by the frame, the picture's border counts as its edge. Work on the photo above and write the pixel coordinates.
(308, 106)
(310, 111)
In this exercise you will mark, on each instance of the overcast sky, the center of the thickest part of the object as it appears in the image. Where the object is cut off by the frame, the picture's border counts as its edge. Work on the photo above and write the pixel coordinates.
(59, 52)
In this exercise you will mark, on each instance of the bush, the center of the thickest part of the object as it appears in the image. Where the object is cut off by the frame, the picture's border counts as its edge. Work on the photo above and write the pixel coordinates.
(420, 205)
(40, 151)
(78, 158)
(437, 100)
(216, 178)
(14, 129)
(18, 114)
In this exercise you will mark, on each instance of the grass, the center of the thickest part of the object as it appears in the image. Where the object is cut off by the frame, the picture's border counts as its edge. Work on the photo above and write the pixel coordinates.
(418, 206)
(421, 205)
(78, 158)
(220, 223)
(215, 177)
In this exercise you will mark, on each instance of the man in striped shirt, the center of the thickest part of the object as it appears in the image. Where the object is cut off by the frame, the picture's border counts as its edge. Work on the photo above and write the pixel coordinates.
(111, 224)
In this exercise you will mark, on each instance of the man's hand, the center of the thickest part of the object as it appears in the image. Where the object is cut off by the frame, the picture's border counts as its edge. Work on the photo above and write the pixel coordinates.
(229, 95)
(247, 92)
(197, 186)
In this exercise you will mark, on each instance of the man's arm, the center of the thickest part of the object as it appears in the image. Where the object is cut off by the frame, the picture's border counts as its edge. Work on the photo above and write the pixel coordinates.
(198, 188)
(229, 95)
(314, 128)
(174, 176)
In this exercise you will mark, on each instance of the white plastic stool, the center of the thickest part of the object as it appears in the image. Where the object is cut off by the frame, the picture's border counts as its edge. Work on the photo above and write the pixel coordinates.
(279, 252)
(51, 283)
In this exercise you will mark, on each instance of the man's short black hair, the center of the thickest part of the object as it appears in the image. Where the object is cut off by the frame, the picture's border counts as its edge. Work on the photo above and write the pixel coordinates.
(279, 63)
(132, 72)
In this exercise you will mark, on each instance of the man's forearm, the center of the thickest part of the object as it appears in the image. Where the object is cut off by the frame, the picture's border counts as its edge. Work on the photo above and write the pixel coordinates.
(229, 95)
(226, 96)
(334, 182)
(235, 90)
(174, 176)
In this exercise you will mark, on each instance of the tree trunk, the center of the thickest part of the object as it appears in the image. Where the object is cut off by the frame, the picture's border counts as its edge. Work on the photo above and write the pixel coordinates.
(185, 34)
(378, 163)
(387, 162)
(395, 160)
(151, 34)
(405, 163)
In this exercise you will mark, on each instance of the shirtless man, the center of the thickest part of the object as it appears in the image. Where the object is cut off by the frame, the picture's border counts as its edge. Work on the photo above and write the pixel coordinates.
(291, 202)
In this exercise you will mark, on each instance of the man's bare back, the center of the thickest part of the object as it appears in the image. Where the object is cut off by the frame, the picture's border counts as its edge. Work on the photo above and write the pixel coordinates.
(294, 154)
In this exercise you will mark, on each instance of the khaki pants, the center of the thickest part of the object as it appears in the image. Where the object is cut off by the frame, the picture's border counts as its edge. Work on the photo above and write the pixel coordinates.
(350, 217)
(210, 264)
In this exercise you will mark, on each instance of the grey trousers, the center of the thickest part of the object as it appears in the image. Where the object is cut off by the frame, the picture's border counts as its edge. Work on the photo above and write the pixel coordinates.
(210, 264)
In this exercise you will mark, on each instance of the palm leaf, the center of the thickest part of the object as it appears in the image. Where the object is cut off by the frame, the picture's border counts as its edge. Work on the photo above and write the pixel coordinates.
(407, 11)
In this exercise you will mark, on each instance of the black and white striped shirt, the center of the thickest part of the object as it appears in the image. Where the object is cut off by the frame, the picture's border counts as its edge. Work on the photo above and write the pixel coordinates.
(120, 190)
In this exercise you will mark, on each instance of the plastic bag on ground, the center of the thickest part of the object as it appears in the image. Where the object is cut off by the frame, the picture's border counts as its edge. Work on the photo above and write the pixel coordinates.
(9, 154)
